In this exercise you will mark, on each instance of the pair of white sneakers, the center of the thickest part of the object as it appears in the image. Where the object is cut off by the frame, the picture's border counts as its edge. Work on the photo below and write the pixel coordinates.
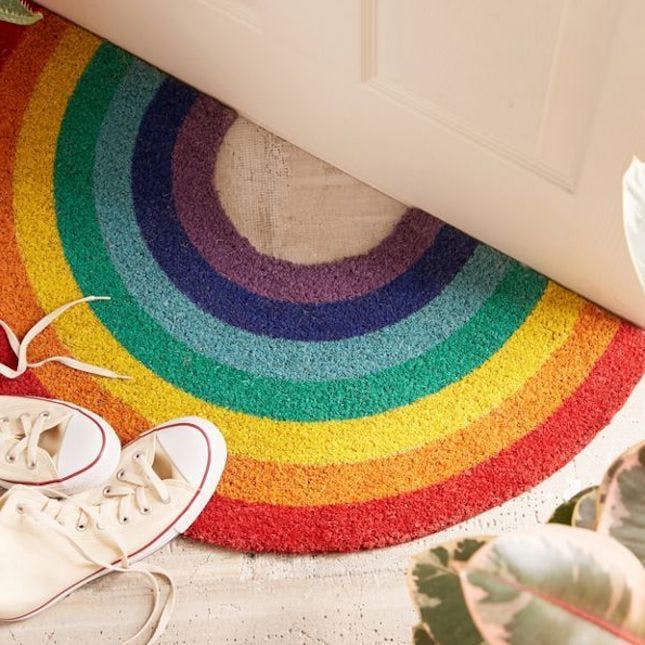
(78, 506)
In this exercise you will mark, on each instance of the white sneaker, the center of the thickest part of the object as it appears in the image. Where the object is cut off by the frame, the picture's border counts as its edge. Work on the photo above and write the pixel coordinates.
(45, 442)
(50, 547)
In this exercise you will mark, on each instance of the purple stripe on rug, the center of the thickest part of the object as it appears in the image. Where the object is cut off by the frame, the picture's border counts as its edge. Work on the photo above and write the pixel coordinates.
(175, 254)
(209, 229)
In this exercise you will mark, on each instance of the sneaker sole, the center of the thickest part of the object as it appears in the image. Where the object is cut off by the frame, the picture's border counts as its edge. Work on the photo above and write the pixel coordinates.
(98, 471)
(216, 461)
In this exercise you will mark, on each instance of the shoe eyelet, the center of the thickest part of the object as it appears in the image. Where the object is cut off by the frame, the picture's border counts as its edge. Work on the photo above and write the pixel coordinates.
(81, 527)
(137, 456)
(120, 474)
(45, 414)
(124, 520)
(106, 491)
(31, 465)
(20, 509)
(145, 510)
(10, 458)
(167, 500)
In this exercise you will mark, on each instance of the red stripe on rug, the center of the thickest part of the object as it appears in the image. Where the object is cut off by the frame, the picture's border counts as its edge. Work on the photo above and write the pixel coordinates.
(10, 35)
(28, 383)
(347, 527)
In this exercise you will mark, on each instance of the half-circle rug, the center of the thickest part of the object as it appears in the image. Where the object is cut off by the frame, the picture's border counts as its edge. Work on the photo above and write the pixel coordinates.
(365, 402)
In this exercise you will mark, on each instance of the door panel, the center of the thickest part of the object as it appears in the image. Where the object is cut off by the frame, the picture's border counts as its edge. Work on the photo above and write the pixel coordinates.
(519, 78)
(513, 121)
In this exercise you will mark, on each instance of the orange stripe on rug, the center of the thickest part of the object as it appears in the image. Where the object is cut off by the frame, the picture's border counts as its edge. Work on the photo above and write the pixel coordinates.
(19, 306)
(518, 415)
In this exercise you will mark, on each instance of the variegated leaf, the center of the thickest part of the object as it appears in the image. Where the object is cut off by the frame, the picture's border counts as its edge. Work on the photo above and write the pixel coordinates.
(622, 498)
(564, 513)
(556, 585)
(585, 511)
(18, 13)
(435, 588)
(634, 215)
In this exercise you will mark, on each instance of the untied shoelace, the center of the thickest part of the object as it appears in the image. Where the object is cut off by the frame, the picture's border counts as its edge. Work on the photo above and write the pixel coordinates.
(20, 347)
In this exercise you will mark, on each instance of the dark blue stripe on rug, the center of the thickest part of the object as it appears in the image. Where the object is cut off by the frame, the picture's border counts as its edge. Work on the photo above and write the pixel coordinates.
(180, 260)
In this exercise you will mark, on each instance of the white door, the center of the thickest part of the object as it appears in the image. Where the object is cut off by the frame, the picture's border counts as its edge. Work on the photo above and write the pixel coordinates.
(512, 120)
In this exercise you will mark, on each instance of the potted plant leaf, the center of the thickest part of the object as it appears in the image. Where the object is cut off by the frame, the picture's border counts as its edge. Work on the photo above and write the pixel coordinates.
(578, 580)
(18, 12)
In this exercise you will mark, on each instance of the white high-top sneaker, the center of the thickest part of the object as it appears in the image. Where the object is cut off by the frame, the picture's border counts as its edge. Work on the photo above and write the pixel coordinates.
(50, 547)
(45, 442)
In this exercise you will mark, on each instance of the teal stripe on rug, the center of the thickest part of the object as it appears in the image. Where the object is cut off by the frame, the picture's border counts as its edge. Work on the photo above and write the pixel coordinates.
(206, 334)
(514, 298)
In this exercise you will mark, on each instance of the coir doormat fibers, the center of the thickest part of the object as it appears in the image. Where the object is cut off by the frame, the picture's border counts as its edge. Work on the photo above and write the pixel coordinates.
(365, 402)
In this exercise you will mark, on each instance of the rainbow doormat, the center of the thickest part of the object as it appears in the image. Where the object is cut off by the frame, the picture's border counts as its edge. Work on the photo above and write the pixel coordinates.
(365, 402)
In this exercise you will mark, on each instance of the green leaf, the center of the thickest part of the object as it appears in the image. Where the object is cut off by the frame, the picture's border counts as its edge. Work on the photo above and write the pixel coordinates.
(435, 588)
(556, 585)
(18, 13)
(564, 513)
(585, 511)
(622, 496)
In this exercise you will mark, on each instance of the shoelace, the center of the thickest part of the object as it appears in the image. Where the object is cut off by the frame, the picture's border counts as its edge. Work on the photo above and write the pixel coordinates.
(27, 440)
(131, 490)
(20, 347)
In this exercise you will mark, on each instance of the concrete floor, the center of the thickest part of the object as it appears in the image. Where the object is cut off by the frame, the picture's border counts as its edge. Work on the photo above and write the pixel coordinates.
(229, 597)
